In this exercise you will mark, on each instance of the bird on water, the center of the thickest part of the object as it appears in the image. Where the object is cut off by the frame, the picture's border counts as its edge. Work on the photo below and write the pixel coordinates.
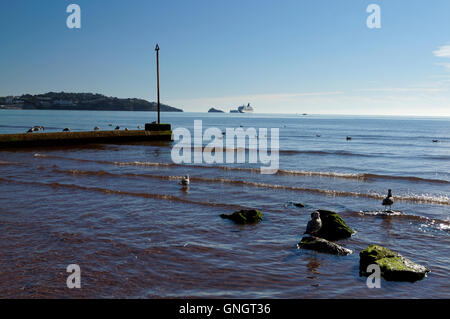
(388, 201)
(314, 225)
(185, 181)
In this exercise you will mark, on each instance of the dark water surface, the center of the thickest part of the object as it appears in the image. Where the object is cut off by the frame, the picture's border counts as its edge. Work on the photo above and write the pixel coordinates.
(119, 213)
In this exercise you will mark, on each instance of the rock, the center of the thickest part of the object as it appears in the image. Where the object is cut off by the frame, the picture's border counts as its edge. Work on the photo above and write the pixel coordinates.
(393, 266)
(96, 128)
(66, 129)
(295, 204)
(333, 226)
(213, 110)
(250, 216)
(323, 246)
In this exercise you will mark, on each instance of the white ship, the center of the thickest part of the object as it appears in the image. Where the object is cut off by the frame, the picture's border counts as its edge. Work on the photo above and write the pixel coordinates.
(245, 109)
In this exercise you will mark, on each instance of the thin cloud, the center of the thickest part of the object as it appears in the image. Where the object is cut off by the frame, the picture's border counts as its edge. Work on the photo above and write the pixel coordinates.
(442, 52)
(405, 89)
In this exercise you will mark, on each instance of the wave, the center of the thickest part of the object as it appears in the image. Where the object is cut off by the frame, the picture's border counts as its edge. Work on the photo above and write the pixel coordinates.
(423, 198)
(7, 163)
(125, 193)
(282, 151)
(434, 222)
(339, 153)
(405, 178)
(355, 176)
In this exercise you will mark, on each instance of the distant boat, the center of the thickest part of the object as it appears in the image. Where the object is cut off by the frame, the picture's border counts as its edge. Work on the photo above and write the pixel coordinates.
(245, 109)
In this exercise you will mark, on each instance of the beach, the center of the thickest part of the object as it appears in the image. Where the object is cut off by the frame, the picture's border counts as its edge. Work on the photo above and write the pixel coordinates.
(118, 211)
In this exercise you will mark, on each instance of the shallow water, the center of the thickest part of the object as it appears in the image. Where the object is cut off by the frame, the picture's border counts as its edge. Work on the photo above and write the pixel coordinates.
(119, 213)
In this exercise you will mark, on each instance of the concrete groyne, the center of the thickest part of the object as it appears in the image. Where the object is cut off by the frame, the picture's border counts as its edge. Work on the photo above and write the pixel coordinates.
(155, 132)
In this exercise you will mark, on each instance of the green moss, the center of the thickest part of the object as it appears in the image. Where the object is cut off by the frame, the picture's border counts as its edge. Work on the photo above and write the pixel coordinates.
(250, 216)
(306, 240)
(333, 226)
(393, 266)
(373, 253)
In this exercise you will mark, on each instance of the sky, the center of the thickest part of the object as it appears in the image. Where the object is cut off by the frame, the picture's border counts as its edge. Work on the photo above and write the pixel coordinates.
(281, 56)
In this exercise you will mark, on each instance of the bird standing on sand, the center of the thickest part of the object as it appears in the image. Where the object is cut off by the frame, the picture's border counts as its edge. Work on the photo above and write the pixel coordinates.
(185, 181)
(314, 225)
(388, 201)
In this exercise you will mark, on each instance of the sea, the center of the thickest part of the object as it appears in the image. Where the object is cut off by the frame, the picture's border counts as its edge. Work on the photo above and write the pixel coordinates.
(118, 211)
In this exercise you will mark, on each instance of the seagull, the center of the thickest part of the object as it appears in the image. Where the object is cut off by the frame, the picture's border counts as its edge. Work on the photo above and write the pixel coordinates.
(185, 181)
(96, 128)
(388, 201)
(314, 224)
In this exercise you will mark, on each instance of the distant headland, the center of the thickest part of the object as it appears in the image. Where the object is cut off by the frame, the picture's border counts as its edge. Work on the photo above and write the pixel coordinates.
(80, 101)
(213, 110)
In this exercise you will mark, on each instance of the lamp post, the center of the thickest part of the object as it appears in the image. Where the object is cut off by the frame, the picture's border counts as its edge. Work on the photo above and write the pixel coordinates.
(157, 80)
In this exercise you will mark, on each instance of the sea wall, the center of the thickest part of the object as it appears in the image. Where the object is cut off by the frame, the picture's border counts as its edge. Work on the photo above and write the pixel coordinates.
(71, 138)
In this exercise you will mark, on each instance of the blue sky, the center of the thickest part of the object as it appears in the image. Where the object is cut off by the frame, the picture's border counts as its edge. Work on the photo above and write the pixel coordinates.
(283, 56)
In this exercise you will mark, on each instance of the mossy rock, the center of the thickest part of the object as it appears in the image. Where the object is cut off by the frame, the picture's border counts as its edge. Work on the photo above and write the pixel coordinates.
(323, 246)
(393, 266)
(333, 226)
(245, 216)
(373, 253)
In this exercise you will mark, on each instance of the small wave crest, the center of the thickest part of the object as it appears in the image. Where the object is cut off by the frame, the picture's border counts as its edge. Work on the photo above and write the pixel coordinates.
(363, 176)
(125, 193)
(426, 222)
(422, 198)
